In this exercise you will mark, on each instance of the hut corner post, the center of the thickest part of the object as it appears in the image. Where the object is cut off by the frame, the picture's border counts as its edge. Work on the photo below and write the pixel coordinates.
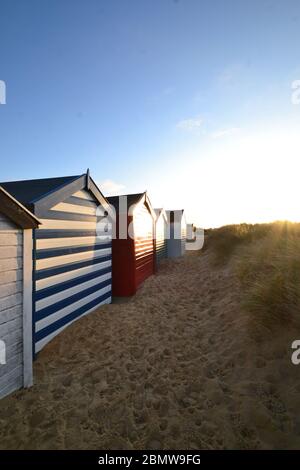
(27, 308)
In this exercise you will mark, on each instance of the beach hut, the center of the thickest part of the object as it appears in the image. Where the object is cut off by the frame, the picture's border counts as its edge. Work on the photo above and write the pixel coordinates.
(16, 226)
(71, 251)
(176, 233)
(190, 233)
(161, 225)
(133, 255)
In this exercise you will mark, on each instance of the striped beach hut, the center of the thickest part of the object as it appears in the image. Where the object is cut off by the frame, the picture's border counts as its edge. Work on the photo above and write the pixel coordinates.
(133, 257)
(161, 226)
(16, 225)
(71, 251)
(176, 233)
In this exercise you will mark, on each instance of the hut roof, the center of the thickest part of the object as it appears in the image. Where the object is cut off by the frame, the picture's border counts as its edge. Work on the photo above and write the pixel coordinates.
(173, 214)
(159, 212)
(131, 199)
(16, 212)
(40, 194)
(30, 191)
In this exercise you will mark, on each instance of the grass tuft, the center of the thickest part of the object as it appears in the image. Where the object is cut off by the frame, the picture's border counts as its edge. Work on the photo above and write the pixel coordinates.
(267, 262)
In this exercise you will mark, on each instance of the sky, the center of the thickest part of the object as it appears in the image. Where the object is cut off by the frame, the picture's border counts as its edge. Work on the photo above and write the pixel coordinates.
(191, 100)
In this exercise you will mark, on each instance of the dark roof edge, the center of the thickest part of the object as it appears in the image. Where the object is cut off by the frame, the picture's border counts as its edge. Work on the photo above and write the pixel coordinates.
(94, 188)
(16, 212)
(160, 211)
(148, 202)
(80, 182)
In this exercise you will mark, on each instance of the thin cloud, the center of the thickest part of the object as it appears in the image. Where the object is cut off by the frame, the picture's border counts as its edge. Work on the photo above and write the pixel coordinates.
(191, 124)
(224, 132)
(111, 188)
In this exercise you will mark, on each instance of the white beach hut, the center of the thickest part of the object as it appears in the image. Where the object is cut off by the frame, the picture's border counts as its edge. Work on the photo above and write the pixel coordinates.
(16, 226)
(161, 228)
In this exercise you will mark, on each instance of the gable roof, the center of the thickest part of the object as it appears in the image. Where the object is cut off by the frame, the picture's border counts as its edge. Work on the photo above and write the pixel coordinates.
(171, 214)
(132, 200)
(30, 191)
(161, 212)
(41, 194)
(16, 212)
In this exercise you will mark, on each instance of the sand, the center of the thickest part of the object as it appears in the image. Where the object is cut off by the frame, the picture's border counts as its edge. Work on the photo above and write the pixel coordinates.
(173, 368)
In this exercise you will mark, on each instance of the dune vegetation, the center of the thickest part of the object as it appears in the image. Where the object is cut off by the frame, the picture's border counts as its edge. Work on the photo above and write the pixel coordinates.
(266, 259)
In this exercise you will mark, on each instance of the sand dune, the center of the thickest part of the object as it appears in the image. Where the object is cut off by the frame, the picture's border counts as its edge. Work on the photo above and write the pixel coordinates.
(174, 367)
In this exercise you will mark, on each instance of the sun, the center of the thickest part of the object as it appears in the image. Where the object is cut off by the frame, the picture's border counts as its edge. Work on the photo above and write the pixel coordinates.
(253, 178)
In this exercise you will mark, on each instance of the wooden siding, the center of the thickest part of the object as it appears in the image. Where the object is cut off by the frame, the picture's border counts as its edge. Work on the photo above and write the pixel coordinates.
(143, 243)
(11, 305)
(72, 266)
(123, 264)
(160, 239)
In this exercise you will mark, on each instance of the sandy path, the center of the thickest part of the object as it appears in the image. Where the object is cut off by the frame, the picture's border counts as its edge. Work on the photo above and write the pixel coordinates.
(172, 368)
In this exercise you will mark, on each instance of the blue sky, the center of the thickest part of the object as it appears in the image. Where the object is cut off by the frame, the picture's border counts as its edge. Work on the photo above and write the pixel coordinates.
(189, 99)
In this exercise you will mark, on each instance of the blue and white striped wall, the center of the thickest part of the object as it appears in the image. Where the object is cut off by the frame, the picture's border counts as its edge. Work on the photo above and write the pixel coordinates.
(176, 243)
(72, 265)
